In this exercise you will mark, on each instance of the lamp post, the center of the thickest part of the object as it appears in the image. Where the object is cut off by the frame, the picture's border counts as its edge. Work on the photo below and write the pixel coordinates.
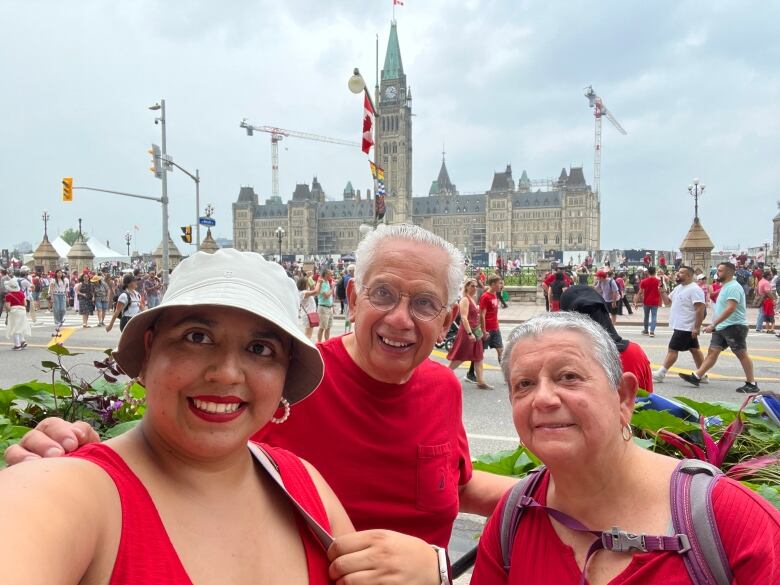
(45, 217)
(279, 235)
(357, 84)
(696, 190)
(128, 239)
(164, 199)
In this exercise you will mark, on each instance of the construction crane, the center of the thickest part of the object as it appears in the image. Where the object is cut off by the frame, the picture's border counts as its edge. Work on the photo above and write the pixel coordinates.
(599, 110)
(277, 135)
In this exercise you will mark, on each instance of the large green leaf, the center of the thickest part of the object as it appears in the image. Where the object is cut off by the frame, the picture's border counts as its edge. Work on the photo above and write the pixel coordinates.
(771, 493)
(137, 391)
(727, 412)
(101, 386)
(117, 430)
(655, 420)
(513, 463)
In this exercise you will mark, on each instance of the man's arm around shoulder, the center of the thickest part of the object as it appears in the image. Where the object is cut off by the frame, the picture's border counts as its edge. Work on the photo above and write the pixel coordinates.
(483, 491)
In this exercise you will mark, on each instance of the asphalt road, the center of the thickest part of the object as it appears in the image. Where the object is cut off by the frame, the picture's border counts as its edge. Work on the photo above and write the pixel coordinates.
(486, 413)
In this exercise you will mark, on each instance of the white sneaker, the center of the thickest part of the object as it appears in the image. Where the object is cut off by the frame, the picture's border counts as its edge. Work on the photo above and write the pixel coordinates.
(658, 377)
(705, 379)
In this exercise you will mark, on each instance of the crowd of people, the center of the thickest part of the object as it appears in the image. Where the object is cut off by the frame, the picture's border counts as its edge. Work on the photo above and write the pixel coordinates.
(263, 456)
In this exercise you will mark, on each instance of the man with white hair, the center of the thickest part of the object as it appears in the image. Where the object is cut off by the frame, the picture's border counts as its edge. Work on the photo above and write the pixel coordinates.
(385, 425)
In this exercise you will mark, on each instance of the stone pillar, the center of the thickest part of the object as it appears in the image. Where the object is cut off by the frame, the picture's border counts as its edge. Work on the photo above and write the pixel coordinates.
(80, 256)
(46, 256)
(174, 256)
(208, 244)
(543, 266)
(697, 248)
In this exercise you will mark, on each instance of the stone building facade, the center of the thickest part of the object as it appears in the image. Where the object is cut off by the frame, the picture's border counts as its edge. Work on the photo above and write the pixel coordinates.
(527, 216)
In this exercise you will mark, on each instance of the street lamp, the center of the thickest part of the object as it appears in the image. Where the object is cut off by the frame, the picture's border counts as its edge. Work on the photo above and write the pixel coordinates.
(279, 235)
(128, 238)
(357, 84)
(45, 217)
(164, 199)
(696, 190)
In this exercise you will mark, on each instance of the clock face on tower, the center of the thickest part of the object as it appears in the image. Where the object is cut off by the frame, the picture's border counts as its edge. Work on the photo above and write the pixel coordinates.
(391, 92)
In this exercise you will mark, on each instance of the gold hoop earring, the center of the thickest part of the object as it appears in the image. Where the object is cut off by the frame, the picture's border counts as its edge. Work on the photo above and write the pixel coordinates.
(286, 405)
(627, 430)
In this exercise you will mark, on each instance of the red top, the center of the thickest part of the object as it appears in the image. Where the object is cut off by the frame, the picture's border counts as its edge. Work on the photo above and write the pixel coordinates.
(635, 360)
(716, 286)
(548, 280)
(15, 299)
(662, 260)
(143, 530)
(651, 296)
(488, 302)
(769, 307)
(749, 528)
(394, 454)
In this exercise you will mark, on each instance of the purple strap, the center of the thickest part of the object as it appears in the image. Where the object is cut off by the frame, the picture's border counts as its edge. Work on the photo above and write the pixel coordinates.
(614, 540)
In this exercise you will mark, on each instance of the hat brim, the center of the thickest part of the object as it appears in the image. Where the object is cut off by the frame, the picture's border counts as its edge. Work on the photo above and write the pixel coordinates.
(306, 366)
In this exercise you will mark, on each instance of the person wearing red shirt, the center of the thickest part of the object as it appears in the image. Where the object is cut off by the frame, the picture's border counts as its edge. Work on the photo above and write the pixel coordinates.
(548, 280)
(488, 313)
(596, 474)
(650, 297)
(15, 305)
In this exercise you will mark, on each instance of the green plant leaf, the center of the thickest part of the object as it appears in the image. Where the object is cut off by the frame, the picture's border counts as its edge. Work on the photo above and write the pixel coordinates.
(101, 386)
(644, 443)
(655, 420)
(512, 463)
(771, 493)
(50, 365)
(117, 430)
(137, 391)
(59, 349)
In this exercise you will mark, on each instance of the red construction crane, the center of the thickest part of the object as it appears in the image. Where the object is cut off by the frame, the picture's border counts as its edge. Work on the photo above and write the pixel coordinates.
(277, 135)
(599, 110)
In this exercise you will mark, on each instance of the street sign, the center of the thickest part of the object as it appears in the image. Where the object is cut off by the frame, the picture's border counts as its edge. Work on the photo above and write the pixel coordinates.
(207, 221)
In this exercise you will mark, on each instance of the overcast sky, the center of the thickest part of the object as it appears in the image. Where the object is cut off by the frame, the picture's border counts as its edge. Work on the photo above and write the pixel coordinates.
(695, 84)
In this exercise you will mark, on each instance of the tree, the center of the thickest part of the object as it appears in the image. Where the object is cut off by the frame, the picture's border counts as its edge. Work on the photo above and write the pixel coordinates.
(23, 247)
(70, 236)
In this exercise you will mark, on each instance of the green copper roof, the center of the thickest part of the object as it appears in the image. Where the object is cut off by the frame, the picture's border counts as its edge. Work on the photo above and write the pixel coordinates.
(394, 68)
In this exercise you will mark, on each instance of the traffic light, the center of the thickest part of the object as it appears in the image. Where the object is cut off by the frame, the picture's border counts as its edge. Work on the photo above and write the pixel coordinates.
(67, 189)
(187, 233)
(157, 167)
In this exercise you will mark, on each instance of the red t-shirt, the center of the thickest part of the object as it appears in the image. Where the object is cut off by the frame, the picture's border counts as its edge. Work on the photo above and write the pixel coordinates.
(143, 530)
(635, 360)
(548, 280)
(488, 302)
(395, 455)
(749, 528)
(651, 295)
(768, 307)
(15, 299)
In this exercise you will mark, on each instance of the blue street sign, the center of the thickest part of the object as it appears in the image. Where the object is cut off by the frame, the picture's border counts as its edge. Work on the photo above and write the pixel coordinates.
(207, 221)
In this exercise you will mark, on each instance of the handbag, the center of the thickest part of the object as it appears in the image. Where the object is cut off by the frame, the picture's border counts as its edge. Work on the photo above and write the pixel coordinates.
(314, 319)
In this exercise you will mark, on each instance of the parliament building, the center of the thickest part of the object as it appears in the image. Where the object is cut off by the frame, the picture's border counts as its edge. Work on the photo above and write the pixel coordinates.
(511, 217)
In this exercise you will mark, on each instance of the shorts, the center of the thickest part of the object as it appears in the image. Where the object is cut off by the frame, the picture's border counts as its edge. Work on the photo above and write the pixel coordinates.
(683, 341)
(101, 305)
(734, 337)
(36, 296)
(617, 309)
(493, 340)
(326, 316)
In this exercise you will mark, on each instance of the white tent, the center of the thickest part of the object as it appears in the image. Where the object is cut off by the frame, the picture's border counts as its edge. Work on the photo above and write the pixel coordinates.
(61, 246)
(105, 254)
(102, 252)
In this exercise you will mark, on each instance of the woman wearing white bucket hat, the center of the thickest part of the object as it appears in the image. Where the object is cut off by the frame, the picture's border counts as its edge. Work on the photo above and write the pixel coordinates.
(180, 498)
(18, 325)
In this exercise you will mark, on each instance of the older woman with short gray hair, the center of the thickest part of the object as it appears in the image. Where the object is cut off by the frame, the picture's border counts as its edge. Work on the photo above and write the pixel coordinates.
(572, 406)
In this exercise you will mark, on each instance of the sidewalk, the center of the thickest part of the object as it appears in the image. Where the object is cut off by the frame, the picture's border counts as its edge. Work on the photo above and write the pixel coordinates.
(517, 313)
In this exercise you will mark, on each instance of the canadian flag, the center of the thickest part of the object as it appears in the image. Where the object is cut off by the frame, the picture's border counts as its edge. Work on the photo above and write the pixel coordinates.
(368, 123)
(398, 3)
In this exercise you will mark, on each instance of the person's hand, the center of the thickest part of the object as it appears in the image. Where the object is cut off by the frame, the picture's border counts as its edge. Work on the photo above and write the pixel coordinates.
(382, 557)
(709, 329)
(53, 437)
(108, 327)
(695, 333)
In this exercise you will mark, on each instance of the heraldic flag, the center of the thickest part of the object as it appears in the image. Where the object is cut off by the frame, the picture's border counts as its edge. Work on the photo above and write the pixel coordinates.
(379, 201)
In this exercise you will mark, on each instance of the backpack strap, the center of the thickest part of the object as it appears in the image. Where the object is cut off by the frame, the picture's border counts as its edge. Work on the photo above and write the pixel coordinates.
(692, 514)
(513, 511)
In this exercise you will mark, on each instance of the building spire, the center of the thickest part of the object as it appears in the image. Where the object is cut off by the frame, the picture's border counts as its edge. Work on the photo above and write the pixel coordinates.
(394, 68)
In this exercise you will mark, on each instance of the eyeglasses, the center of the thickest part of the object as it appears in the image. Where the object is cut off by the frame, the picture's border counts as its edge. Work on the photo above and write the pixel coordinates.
(423, 306)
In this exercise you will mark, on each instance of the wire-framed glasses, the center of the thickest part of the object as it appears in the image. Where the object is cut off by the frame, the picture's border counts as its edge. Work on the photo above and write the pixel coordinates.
(385, 297)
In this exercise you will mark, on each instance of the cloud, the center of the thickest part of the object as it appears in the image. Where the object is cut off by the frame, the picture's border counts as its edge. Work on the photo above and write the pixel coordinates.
(494, 81)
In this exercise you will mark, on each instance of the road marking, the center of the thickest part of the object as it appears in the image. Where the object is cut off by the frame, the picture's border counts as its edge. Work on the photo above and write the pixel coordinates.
(714, 376)
(80, 348)
(65, 332)
(493, 438)
(441, 354)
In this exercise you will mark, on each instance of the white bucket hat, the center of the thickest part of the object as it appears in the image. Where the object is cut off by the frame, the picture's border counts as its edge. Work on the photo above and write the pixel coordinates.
(12, 285)
(242, 280)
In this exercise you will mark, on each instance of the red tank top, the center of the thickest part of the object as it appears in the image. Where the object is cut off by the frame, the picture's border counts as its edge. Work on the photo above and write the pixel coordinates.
(143, 530)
